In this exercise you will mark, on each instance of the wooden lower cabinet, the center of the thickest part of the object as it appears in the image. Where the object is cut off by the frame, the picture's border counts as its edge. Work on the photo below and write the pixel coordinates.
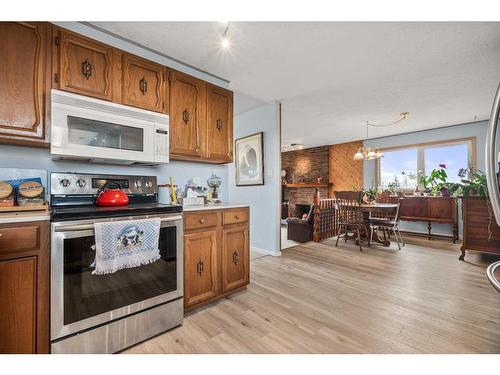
(24, 287)
(201, 271)
(216, 255)
(235, 257)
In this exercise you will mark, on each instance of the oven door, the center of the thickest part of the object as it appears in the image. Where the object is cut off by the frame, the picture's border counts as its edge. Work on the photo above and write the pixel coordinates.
(80, 300)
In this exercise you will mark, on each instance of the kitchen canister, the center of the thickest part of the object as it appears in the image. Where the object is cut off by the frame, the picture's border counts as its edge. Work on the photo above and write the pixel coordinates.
(164, 196)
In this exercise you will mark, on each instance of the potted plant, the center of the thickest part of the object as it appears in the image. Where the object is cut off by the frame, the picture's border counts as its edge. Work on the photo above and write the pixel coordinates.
(371, 195)
(435, 183)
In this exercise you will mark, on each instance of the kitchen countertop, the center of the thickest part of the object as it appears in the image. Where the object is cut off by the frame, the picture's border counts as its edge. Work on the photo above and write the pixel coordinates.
(20, 217)
(217, 206)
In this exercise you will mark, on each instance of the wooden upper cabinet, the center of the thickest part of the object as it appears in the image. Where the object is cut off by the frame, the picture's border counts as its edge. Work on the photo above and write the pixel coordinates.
(219, 124)
(143, 84)
(24, 82)
(187, 116)
(85, 66)
(235, 257)
(201, 269)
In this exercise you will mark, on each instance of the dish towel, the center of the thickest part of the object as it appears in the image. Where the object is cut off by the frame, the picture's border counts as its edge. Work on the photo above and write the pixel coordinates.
(125, 244)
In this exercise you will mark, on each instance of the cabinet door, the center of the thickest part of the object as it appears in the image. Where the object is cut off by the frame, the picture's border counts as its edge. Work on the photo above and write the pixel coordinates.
(24, 81)
(85, 66)
(442, 208)
(235, 257)
(143, 84)
(201, 281)
(219, 124)
(18, 307)
(187, 116)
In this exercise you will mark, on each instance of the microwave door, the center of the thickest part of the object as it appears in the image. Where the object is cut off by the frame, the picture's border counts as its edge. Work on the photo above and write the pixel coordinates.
(490, 158)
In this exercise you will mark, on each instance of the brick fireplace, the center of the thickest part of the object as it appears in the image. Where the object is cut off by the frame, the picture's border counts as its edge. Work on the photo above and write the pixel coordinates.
(303, 167)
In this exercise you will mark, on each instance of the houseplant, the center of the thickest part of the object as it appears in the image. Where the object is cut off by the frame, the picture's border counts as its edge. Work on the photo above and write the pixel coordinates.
(436, 182)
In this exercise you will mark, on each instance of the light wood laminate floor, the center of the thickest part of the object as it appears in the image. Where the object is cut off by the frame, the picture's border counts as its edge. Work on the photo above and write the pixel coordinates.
(317, 298)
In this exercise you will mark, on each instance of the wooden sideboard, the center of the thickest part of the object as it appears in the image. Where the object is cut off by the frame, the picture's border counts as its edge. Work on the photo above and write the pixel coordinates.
(431, 210)
(477, 219)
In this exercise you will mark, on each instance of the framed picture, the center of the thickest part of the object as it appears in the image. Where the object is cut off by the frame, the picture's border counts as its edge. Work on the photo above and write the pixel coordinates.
(250, 160)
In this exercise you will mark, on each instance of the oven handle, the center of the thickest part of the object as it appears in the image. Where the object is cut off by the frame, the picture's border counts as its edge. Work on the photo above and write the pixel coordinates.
(81, 227)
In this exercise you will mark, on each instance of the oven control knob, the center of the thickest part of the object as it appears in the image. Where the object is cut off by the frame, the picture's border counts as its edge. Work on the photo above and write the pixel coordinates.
(138, 183)
(65, 182)
(80, 182)
(149, 184)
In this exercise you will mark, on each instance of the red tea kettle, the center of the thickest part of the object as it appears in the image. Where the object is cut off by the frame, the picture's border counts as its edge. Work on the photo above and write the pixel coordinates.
(111, 194)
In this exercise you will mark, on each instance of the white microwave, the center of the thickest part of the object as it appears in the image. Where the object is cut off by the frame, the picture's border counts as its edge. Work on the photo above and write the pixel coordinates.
(98, 131)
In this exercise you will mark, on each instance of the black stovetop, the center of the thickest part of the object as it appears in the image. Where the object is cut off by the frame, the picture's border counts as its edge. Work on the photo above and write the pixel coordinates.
(85, 212)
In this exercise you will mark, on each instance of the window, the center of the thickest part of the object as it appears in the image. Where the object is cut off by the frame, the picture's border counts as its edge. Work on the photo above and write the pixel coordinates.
(399, 167)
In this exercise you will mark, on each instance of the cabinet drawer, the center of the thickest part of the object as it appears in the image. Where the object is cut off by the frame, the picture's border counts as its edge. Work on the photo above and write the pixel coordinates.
(239, 215)
(14, 239)
(202, 219)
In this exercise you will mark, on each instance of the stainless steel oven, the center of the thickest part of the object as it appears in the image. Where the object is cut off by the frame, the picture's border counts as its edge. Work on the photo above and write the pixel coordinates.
(107, 313)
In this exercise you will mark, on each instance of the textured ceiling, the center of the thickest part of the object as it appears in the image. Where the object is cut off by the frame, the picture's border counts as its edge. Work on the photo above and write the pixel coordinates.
(332, 77)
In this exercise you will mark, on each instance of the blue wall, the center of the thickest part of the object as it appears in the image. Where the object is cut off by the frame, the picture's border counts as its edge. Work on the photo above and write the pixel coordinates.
(476, 129)
(35, 158)
(264, 199)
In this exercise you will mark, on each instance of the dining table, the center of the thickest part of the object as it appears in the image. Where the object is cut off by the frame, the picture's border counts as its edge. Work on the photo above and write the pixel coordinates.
(367, 209)
(386, 208)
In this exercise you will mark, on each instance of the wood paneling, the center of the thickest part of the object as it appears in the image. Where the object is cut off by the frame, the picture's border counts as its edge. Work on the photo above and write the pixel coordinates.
(316, 298)
(24, 287)
(235, 257)
(219, 124)
(345, 173)
(24, 82)
(86, 66)
(142, 83)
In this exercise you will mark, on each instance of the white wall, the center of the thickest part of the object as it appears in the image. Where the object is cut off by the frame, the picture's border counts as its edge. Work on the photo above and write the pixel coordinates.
(264, 199)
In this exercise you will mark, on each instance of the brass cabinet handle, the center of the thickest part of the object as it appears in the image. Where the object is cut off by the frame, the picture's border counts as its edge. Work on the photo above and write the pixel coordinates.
(235, 257)
(86, 68)
(185, 116)
(218, 124)
(202, 221)
(143, 86)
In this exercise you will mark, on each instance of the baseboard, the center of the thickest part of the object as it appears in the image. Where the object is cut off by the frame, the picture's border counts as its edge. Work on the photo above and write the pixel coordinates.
(266, 252)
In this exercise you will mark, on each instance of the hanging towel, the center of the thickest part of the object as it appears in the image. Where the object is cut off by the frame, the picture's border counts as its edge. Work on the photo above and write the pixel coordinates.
(125, 244)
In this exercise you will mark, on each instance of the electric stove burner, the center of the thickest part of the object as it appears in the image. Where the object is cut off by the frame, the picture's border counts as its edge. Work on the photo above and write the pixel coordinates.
(73, 197)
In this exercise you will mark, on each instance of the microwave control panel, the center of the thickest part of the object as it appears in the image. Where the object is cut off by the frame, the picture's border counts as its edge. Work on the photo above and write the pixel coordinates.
(161, 143)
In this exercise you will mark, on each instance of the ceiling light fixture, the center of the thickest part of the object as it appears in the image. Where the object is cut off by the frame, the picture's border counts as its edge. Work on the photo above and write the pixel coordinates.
(370, 153)
(225, 41)
(292, 147)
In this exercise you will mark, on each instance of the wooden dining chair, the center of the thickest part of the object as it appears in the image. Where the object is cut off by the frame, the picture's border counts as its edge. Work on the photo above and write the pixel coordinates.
(388, 223)
(350, 216)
